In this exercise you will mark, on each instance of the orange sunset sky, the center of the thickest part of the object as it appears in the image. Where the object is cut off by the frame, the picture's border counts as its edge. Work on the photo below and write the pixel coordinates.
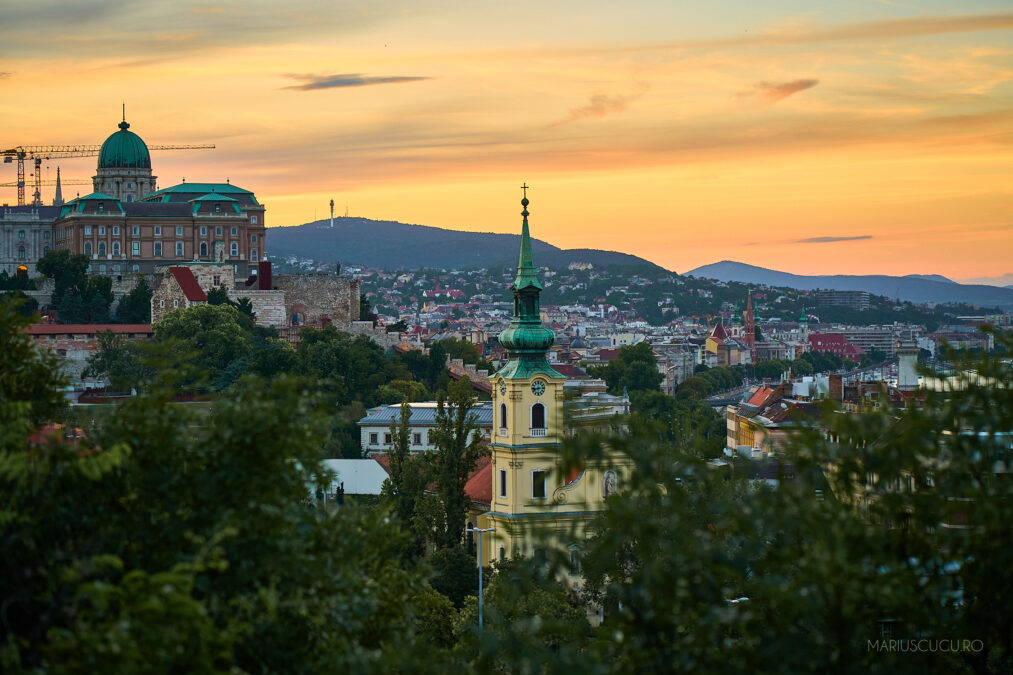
(813, 137)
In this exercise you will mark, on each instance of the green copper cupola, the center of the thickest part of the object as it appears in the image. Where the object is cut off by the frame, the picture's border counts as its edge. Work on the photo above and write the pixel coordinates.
(527, 338)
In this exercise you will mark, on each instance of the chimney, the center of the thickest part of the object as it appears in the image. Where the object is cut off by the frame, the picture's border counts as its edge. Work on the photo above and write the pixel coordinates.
(264, 275)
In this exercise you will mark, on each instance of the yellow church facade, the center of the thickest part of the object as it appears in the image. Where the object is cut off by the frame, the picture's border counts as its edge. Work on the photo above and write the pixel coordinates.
(533, 504)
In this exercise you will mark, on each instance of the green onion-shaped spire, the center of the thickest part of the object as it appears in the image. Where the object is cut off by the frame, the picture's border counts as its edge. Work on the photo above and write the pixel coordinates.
(525, 264)
(526, 338)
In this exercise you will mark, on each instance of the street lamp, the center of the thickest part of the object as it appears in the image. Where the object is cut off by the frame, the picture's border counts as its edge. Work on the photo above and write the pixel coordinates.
(480, 531)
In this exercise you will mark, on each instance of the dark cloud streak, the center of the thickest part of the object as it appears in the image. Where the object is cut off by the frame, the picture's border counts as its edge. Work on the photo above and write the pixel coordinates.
(828, 240)
(772, 92)
(313, 82)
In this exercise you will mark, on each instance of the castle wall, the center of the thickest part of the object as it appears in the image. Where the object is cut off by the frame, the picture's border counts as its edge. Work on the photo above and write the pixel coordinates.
(318, 299)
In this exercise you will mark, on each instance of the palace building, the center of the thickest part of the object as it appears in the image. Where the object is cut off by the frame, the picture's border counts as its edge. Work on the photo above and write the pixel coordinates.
(533, 504)
(128, 225)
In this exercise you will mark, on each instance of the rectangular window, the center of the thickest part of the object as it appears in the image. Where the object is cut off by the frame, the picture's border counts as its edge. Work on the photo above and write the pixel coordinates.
(45, 235)
(101, 229)
(135, 248)
(135, 230)
(253, 220)
(502, 483)
(179, 249)
(253, 255)
(218, 231)
(234, 231)
(538, 484)
(253, 239)
(158, 249)
(386, 439)
(179, 230)
(87, 229)
(416, 439)
(116, 229)
(135, 268)
(158, 230)
(374, 439)
(203, 230)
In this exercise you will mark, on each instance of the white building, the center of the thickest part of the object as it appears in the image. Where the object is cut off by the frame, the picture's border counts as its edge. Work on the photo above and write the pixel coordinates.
(374, 428)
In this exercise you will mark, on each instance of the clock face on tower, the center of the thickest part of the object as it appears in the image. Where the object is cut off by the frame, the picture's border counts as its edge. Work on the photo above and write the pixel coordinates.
(502, 388)
(537, 387)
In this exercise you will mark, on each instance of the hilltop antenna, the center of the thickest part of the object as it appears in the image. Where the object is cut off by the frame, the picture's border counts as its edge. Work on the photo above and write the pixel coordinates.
(332, 214)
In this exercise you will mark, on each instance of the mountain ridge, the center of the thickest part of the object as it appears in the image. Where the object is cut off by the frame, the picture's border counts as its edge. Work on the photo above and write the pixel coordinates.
(913, 288)
(392, 245)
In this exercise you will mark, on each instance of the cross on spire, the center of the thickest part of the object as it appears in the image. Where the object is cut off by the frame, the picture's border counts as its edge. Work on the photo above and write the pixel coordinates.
(525, 188)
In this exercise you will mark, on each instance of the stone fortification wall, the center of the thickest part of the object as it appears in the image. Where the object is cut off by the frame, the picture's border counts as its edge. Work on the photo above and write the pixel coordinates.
(317, 299)
(268, 306)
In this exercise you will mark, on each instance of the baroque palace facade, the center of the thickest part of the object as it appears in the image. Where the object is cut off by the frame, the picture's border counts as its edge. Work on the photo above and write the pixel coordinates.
(126, 225)
(533, 504)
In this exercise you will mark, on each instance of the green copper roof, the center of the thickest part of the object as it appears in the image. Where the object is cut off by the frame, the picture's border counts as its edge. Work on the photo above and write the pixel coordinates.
(526, 338)
(524, 368)
(95, 196)
(213, 197)
(525, 266)
(124, 150)
(202, 188)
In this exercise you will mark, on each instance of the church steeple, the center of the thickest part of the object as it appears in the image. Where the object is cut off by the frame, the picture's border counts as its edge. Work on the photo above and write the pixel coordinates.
(58, 197)
(527, 338)
(525, 265)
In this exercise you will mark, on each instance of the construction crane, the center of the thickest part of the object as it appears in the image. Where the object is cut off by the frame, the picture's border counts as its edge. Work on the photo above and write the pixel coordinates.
(37, 153)
(63, 181)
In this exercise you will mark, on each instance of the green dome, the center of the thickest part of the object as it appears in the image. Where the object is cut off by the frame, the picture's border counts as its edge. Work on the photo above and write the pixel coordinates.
(124, 150)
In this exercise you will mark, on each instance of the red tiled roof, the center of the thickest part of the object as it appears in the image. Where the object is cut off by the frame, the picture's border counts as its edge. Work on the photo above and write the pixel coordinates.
(188, 282)
(760, 396)
(479, 485)
(607, 354)
(66, 328)
(719, 331)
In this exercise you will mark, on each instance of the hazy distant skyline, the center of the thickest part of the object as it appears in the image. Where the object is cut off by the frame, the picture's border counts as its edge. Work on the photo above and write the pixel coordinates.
(848, 138)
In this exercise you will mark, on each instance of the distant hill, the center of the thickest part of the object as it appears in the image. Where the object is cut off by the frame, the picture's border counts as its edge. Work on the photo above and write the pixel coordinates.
(914, 288)
(392, 245)
(930, 277)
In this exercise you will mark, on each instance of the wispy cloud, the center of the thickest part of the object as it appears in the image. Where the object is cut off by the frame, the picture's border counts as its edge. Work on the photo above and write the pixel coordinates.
(311, 82)
(827, 240)
(772, 92)
(601, 105)
(4, 75)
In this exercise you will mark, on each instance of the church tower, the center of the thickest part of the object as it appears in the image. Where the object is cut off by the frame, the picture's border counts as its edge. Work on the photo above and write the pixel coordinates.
(528, 414)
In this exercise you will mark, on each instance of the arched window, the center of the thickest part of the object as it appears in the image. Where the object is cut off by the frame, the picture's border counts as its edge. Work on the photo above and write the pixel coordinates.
(234, 249)
(502, 416)
(538, 416)
(574, 560)
(116, 248)
(45, 250)
(502, 553)
(21, 252)
(203, 249)
(609, 483)
(253, 255)
(87, 248)
(102, 248)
